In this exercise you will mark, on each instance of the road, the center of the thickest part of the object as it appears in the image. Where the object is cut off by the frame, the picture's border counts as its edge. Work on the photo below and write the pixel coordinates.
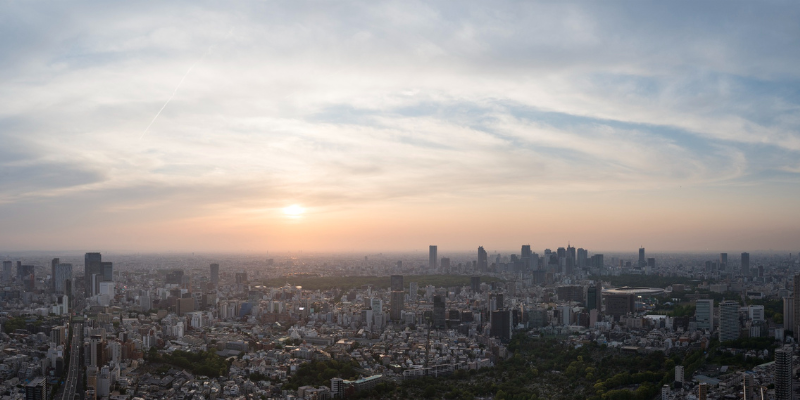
(75, 372)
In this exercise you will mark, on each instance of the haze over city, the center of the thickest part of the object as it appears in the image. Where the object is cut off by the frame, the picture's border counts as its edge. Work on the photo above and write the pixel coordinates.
(256, 127)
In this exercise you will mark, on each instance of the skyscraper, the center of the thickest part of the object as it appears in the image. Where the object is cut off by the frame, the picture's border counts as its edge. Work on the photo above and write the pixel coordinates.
(7, 271)
(796, 310)
(445, 264)
(704, 314)
(91, 267)
(397, 298)
(53, 265)
(61, 274)
(728, 320)
(439, 305)
(501, 324)
(745, 264)
(214, 274)
(483, 260)
(583, 257)
(788, 313)
(475, 283)
(598, 263)
(783, 373)
(526, 251)
(432, 257)
(26, 275)
(723, 261)
(36, 389)
(642, 260)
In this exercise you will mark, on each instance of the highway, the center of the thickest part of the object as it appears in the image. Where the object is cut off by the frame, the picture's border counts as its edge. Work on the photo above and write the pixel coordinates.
(74, 375)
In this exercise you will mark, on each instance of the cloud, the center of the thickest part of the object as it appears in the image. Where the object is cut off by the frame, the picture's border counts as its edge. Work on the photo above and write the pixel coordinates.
(347, 103)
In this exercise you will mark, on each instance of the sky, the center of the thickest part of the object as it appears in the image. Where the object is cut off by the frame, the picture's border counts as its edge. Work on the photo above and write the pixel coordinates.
(391, 126)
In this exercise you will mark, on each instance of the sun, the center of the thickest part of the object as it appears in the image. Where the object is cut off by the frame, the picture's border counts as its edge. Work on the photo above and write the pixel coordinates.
(294, 211)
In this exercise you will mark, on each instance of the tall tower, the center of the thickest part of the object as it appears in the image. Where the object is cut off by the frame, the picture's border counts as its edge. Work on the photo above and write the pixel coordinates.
(783, 373)
(483, 260)
(53, 265)
(745, 264)
(642, 260)
(723, 261)
(91, 267)
(397, 298)
(214, 274)
(728, 320)
(432, 250)
(796, 309)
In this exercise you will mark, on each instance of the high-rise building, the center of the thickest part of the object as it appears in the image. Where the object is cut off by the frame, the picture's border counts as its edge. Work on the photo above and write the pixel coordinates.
(432, 257)
(36, 389)
(475, 283)
(214, 278)
(583, 258)
(91, 267)
(61, 273)
(439, 306)
(241, 277)
(642, 260)
(619, 304)
(570, 252)
(526, 251)
(501, 324)
(413, 290)
(796, 309)
(745, 264)
(7, 267)
(108, 271)
(665, 392)
(594, 297)
(597, 263)
(27, 276)
(702, 391)
(679, 373)
(175, 277)
(723, 261)
(184, 305)
(788, 313)
(445, 264)
(704, 314)
(396, 283)
(483, 260)
(728, 320)
(783, 373)
(53, 265)
(396, 307)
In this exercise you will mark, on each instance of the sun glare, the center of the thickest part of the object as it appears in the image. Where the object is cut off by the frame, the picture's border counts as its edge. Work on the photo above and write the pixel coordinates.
(294, 211)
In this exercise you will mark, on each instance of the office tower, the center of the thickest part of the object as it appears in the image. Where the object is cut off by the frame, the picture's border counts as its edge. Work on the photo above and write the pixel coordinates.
(241, 277)
(788, 313)
(108, 271)
(483, 260)
(728, 320)
(26, 275)
(432, 257)
(91, 267)
(641, 257)
(445, 264)
(597, 263)
(396, 307)
(561, 252)
(651, 262)
(501, 324)
(214, 278)
(594, 297)
(723, 261)
(475, 283)
(570, 252)
(796, 309)
(783, 373)
(702, 391)
(439, 305)
(53, 265)
(704, 314)
(399, 265)
(526, 251)
(7, 271)
(97, 345)
(745, 264)
(756, 313)
(144, 302)
(376, 304)
(583, 257)
(397, 298)
(620, 304)
(665, 392)
(36, 389)
(61, 273)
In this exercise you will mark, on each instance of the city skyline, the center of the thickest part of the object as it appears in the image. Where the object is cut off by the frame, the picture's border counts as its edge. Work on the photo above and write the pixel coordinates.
(386, 127)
